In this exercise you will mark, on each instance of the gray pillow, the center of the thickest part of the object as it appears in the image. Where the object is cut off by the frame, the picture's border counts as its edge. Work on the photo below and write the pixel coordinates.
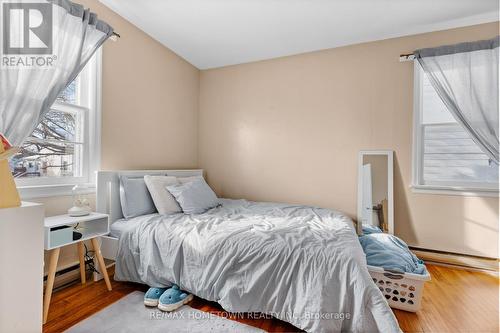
(194, 197)
(164, 201)
(134, 197)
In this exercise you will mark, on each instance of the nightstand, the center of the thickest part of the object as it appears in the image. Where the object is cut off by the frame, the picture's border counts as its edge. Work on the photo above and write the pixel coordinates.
(91, 227)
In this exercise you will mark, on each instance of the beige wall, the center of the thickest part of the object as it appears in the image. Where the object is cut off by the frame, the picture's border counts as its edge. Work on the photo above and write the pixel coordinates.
(289, 130)
(149, 107)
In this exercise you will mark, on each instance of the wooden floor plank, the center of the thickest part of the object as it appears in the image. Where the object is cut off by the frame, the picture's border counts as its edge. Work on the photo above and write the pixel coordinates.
(455, 300)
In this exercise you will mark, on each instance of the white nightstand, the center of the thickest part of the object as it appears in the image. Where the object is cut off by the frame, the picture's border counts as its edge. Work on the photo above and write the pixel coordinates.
(91, 226)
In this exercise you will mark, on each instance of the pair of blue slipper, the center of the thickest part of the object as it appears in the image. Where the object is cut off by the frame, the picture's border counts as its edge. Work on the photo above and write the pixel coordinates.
(167, 299)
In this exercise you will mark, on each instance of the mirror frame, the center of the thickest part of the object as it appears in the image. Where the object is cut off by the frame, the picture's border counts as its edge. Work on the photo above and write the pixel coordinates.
(390, 187)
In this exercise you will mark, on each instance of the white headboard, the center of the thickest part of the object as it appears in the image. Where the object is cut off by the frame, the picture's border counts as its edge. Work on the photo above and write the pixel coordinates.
(108, 188)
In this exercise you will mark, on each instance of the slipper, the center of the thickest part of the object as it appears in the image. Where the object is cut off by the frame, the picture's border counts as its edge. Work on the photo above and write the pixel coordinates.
(152, 296)
(173, 298)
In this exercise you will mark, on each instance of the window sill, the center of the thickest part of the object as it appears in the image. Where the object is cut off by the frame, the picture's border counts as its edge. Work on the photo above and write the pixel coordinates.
(44, 191)
(452, 190)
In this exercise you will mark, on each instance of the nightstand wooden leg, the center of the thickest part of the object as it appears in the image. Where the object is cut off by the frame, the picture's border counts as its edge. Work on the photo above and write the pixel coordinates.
(81, 256)
(102, 265)
(54, 257)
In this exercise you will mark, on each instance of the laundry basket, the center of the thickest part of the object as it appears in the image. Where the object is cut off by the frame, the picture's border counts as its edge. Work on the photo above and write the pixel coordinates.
(401, 290)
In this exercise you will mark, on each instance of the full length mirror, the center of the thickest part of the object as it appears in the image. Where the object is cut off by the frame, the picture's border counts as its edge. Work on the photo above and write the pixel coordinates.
(375, 190)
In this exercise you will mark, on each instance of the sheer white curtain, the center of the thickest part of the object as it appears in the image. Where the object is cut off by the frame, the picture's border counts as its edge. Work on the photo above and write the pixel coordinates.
(27, 92)
(465, 76)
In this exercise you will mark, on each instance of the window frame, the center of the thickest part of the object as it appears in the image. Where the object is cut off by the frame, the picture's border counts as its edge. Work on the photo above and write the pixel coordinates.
(79, 111)
(30, 188)
(418, 185)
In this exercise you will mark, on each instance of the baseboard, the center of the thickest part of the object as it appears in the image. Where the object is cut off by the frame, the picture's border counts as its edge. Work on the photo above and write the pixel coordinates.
(458, 260)
(66, 275)
(70, 274)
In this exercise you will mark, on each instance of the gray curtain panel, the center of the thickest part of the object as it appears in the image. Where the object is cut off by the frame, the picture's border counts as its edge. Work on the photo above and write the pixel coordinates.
(31, 78)
(465, 77)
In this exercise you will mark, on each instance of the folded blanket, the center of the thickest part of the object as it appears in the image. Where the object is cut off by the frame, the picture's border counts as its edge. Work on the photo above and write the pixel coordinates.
(391, 253)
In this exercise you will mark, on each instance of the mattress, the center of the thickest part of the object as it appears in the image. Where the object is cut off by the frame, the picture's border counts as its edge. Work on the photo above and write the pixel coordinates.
(120, 226)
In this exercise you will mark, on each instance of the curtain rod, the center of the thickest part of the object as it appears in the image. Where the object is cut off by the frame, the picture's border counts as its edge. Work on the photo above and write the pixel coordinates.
(114, 37)
(406, 57)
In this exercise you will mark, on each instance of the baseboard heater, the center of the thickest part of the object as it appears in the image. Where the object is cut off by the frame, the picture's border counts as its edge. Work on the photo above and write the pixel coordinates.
(71, 273)
(458, 260)
(67, 275)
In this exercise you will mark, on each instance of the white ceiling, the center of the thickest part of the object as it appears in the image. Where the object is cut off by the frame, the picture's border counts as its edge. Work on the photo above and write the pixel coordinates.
(215, 33)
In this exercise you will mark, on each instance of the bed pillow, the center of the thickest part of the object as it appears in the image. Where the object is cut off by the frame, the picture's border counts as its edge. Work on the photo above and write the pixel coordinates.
(164, 201)
(134, 197)
(194, 197)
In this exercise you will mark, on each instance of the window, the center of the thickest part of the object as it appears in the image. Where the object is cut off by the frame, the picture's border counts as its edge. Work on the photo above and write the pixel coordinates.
(64, 148)
(445, 157)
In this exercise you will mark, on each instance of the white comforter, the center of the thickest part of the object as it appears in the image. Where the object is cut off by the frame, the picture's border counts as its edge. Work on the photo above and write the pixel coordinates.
(301, 264)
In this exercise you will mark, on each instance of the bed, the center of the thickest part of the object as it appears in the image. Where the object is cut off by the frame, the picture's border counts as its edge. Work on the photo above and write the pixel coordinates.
(301, 264)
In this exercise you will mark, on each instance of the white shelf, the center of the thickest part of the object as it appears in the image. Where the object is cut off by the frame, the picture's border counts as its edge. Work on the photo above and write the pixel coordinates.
(90, 226)
(57, 221)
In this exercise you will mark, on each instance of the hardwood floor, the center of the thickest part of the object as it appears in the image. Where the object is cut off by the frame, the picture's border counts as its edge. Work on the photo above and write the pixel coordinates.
(454, 300)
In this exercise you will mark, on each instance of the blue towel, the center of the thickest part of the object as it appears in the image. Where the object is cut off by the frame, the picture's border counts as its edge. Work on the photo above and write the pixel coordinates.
(370, 229)
(391, 253)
